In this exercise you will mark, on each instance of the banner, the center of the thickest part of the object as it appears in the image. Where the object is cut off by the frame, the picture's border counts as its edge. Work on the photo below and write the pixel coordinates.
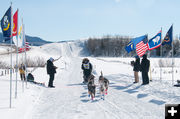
(6, 24)
(168, 37)
(129, 47)
(15, 23)
(155, 42)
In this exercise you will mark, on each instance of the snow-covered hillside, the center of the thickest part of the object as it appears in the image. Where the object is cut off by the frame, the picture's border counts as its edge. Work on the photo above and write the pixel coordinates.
(69, 100)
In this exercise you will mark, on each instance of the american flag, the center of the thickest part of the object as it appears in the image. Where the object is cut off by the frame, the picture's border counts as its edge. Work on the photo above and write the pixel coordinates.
(142, 47)
(23, 48)
(27, 45)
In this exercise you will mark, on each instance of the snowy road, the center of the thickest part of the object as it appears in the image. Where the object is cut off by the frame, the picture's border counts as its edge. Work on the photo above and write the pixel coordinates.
(69, 100)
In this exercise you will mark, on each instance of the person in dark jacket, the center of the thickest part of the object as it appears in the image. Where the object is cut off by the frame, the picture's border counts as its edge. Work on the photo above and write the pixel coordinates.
(145, 63)
(30, 77)
(136, 69)
(87, 69)
(51, 70)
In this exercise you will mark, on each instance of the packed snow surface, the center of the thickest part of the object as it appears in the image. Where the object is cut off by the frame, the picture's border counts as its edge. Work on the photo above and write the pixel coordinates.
(69, 99)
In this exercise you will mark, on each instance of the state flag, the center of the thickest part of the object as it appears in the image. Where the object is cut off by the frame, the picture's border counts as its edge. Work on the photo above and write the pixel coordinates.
(168, 37)
(6, 24)
(130, 47)
(155, 42)
(15, 23)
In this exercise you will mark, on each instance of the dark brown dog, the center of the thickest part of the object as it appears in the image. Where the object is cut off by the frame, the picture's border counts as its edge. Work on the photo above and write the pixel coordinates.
(91, 86)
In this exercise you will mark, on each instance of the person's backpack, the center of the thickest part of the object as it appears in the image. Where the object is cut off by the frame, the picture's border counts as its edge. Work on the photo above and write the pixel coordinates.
(30, 77)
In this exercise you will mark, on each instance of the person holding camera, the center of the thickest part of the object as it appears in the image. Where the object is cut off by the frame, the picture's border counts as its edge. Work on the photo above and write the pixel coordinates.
(136, 68)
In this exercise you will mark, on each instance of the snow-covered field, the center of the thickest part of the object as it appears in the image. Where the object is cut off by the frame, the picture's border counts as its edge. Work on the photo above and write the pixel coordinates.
(69, 100)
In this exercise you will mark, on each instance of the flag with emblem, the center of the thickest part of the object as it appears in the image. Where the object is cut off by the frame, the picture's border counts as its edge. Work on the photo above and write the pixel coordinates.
(142, 46)
(168, 38)
(155, 42)
(18, 41)
(15, 23)
(129, 47)
(6, 24)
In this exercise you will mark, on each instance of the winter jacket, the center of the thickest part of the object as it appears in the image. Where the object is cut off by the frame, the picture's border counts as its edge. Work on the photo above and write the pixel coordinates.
(87, 68)
(145, 65)
(30, 77)
(22, 69)
(137, 65)
(51, 69)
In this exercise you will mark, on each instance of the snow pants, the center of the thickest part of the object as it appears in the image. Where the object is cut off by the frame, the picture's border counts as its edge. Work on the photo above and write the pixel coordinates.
(22, 76)
(51, 79)
(145, 77)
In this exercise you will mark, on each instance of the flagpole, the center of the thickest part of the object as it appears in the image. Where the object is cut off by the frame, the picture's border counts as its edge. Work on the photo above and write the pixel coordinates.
(25, 53)
(161, 56)
(22, 56)
(150, 66)
(11, 59)
(172, 58)
(16, 57)
(150, 63)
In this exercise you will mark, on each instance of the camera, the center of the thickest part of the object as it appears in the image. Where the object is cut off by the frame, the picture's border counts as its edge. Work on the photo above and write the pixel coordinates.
(132, 63)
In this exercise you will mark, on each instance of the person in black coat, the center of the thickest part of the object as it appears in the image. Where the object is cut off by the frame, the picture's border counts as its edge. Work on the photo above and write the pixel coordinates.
(136, 69)
(145, 63)
(87, 69)
(51, 70)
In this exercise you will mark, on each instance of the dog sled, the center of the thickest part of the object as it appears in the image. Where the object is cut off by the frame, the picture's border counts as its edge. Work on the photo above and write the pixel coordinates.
(178, 83)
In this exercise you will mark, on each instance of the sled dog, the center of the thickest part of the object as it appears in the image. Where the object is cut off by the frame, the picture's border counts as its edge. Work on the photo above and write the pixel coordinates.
(91, 86)
(104, 84)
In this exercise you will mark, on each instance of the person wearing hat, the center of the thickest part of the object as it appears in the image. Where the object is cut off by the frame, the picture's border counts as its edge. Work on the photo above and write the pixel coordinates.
(22, 72)
(51, 70)
(145, 63)
(136, 69)
(87, 69)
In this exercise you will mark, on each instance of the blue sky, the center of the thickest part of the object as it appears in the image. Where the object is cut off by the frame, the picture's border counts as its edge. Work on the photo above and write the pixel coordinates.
(57, 20)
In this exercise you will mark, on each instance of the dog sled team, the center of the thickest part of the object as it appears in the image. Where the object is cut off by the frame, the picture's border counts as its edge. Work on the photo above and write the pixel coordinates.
(89, 78)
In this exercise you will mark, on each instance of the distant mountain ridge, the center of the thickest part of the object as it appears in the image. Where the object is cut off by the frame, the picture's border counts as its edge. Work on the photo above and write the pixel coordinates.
(35, 41)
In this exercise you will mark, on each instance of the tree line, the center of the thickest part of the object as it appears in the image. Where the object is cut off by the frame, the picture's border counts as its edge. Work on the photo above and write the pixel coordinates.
(114, 46)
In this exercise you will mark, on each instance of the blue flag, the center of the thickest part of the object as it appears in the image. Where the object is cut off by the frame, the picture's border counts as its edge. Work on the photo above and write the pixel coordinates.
(129, 47)
(6, 24)
(168, 37)
(132, 44)
(155, 42)
(138, 39)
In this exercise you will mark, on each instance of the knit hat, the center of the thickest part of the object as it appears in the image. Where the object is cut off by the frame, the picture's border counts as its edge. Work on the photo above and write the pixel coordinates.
(51, 59)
